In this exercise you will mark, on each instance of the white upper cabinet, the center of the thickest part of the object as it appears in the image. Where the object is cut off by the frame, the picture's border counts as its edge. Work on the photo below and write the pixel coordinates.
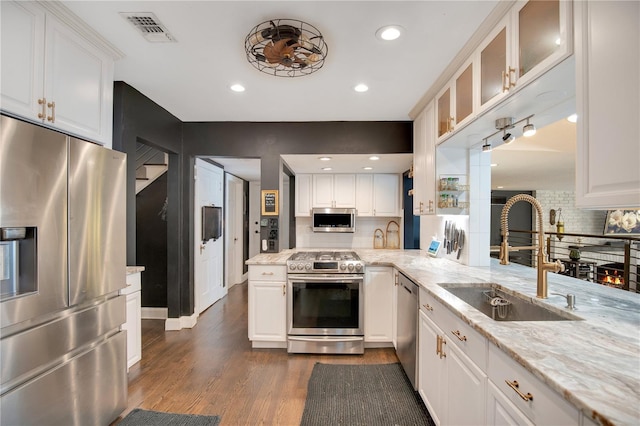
(53, 75)
(364, 195)
(303, 195)
(334, 190)
(533, 37)
(456, 102)
(424, 175)
(386, 195)
(608, 104)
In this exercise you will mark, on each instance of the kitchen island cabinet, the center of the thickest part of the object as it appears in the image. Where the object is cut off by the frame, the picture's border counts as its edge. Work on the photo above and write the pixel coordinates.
(586, 364)
(267, 306)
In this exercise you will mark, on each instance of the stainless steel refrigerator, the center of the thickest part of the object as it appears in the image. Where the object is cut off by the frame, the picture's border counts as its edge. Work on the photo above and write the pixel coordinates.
(62, 262)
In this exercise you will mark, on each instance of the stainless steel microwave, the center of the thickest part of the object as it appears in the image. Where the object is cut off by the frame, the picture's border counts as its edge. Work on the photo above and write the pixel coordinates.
(333, 220)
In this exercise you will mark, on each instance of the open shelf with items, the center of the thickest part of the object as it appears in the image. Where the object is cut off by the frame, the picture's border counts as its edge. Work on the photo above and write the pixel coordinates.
(453, 195)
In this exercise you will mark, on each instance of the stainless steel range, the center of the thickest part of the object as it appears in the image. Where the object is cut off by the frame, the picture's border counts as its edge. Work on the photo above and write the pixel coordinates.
(325, 302)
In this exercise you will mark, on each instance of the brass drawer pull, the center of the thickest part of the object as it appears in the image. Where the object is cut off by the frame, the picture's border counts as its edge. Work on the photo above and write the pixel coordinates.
(442, 342)
(52, 117)
(457, 334)
(514, 385)
(428, 308)
(42, 102)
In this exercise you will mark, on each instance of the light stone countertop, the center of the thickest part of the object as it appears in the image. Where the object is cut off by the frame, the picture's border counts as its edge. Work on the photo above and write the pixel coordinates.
(594, 363)
(134, 269)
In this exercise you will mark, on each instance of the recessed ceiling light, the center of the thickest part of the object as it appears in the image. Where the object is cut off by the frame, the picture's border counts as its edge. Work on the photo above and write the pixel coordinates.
(494, 164)
(361, 88)
(367, 168)
(237, 88)
(324, 158)
(500, 187)
(326, 169)
(374, 158)
(389, 32)
(573, 118)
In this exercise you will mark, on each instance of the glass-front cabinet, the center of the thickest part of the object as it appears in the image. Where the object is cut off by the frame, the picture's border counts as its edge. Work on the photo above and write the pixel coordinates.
(455, 102)
(532, 37)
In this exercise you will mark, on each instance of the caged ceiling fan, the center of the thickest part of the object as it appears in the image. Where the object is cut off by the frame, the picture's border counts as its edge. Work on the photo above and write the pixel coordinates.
(286, 48)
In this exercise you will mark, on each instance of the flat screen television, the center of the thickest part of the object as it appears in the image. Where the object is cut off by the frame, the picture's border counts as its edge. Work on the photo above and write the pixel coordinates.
(211, 223)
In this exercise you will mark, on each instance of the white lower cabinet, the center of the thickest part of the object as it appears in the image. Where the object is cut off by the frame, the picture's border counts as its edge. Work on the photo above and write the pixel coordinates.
(378, 307)
(451, 385)
(267, 306)
(464, 380)
(133, 324)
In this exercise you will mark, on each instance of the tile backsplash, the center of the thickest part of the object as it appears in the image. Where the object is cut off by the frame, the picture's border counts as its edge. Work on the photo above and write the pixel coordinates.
(362, 238)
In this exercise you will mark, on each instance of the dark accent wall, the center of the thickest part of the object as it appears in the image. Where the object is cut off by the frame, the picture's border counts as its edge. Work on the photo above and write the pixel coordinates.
(151, 242)
(137, 118)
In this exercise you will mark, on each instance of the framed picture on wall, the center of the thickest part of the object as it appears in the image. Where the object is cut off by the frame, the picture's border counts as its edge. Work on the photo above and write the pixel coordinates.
(269, 202)
(622, 222)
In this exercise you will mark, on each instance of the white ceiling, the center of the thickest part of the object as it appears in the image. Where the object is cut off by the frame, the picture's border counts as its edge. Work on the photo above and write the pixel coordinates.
(191, 78)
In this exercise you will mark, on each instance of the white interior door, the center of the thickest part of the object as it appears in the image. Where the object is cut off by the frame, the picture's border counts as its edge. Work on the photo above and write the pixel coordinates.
(234, 240)
(208, 259)
(254, 218)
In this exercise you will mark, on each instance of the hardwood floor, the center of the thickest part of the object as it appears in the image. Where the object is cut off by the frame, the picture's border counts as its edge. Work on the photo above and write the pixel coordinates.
(212, 369)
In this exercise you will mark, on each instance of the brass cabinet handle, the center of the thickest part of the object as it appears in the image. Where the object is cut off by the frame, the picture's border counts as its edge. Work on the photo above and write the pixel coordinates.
(52, 117)
(431, 206)
(457, 334)
(43, 113)
(438, 340)
(514, 385)
(505, 85)
(396, 279)
(421, 207)
(450, 124)
(510, 71)
(284, 289)
(442, 342)
(428, 308)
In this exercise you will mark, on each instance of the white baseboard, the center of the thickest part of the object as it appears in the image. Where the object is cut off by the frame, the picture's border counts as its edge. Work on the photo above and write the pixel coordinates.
(155, 313)
(175, 324)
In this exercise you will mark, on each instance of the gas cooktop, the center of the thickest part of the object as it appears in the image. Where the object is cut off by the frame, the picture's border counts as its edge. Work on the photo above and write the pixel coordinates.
(347, 262)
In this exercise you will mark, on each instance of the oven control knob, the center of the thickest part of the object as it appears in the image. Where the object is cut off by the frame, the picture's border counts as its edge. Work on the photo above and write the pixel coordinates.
(300, 266)
(358, 267)
(343, 267)
(292, 267)
(307, 266)
(351, 266)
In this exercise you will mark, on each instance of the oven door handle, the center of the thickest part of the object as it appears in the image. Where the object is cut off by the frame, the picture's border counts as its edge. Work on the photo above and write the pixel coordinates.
(325, 338)
(325, 278)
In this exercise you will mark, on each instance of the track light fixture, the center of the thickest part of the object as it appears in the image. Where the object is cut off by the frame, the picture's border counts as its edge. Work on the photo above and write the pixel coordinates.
(528, 130)
(507, 138)
(505, 123)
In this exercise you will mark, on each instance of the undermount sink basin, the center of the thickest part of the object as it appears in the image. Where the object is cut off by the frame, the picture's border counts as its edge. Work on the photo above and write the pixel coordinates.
(501, 304)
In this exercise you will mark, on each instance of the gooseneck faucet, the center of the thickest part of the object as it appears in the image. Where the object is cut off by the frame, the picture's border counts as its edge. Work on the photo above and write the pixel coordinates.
(542, 264)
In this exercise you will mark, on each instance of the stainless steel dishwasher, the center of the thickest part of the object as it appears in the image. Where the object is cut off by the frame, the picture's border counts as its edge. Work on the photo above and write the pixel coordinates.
(408, 295)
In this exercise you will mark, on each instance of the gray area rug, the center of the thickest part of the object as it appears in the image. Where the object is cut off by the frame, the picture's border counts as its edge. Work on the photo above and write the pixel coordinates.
(377, 394)
(139, 417)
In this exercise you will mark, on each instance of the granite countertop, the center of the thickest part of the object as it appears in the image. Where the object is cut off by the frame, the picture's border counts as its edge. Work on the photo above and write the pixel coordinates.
(134, 269)
(593, 363)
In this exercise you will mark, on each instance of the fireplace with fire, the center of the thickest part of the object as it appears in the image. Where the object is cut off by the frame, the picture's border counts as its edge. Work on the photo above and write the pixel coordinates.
(611, 274)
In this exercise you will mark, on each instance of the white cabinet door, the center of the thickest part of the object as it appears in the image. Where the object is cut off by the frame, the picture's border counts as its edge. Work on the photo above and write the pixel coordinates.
(134, 328)
(79, 79)
(378, 307)
(344, 190)
(424, 175)
(22, 58)
(432, 384)
(466, 382)
(303, 195)
(267, 311)
(607, 44)
(386, 195)
(394, 314)
(500, 411)
(364, 195)
(322, 191)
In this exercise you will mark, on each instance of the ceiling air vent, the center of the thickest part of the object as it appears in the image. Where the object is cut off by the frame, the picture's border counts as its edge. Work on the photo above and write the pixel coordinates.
(149, 26)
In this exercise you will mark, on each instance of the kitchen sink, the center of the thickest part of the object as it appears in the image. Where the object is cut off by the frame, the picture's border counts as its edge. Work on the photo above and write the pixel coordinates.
(501, 304)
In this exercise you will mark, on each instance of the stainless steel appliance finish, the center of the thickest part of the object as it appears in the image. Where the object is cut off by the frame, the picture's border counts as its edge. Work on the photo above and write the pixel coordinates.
(407, 321)
(62, 354)
(333, 220)
(323, 262)
(325, 304)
